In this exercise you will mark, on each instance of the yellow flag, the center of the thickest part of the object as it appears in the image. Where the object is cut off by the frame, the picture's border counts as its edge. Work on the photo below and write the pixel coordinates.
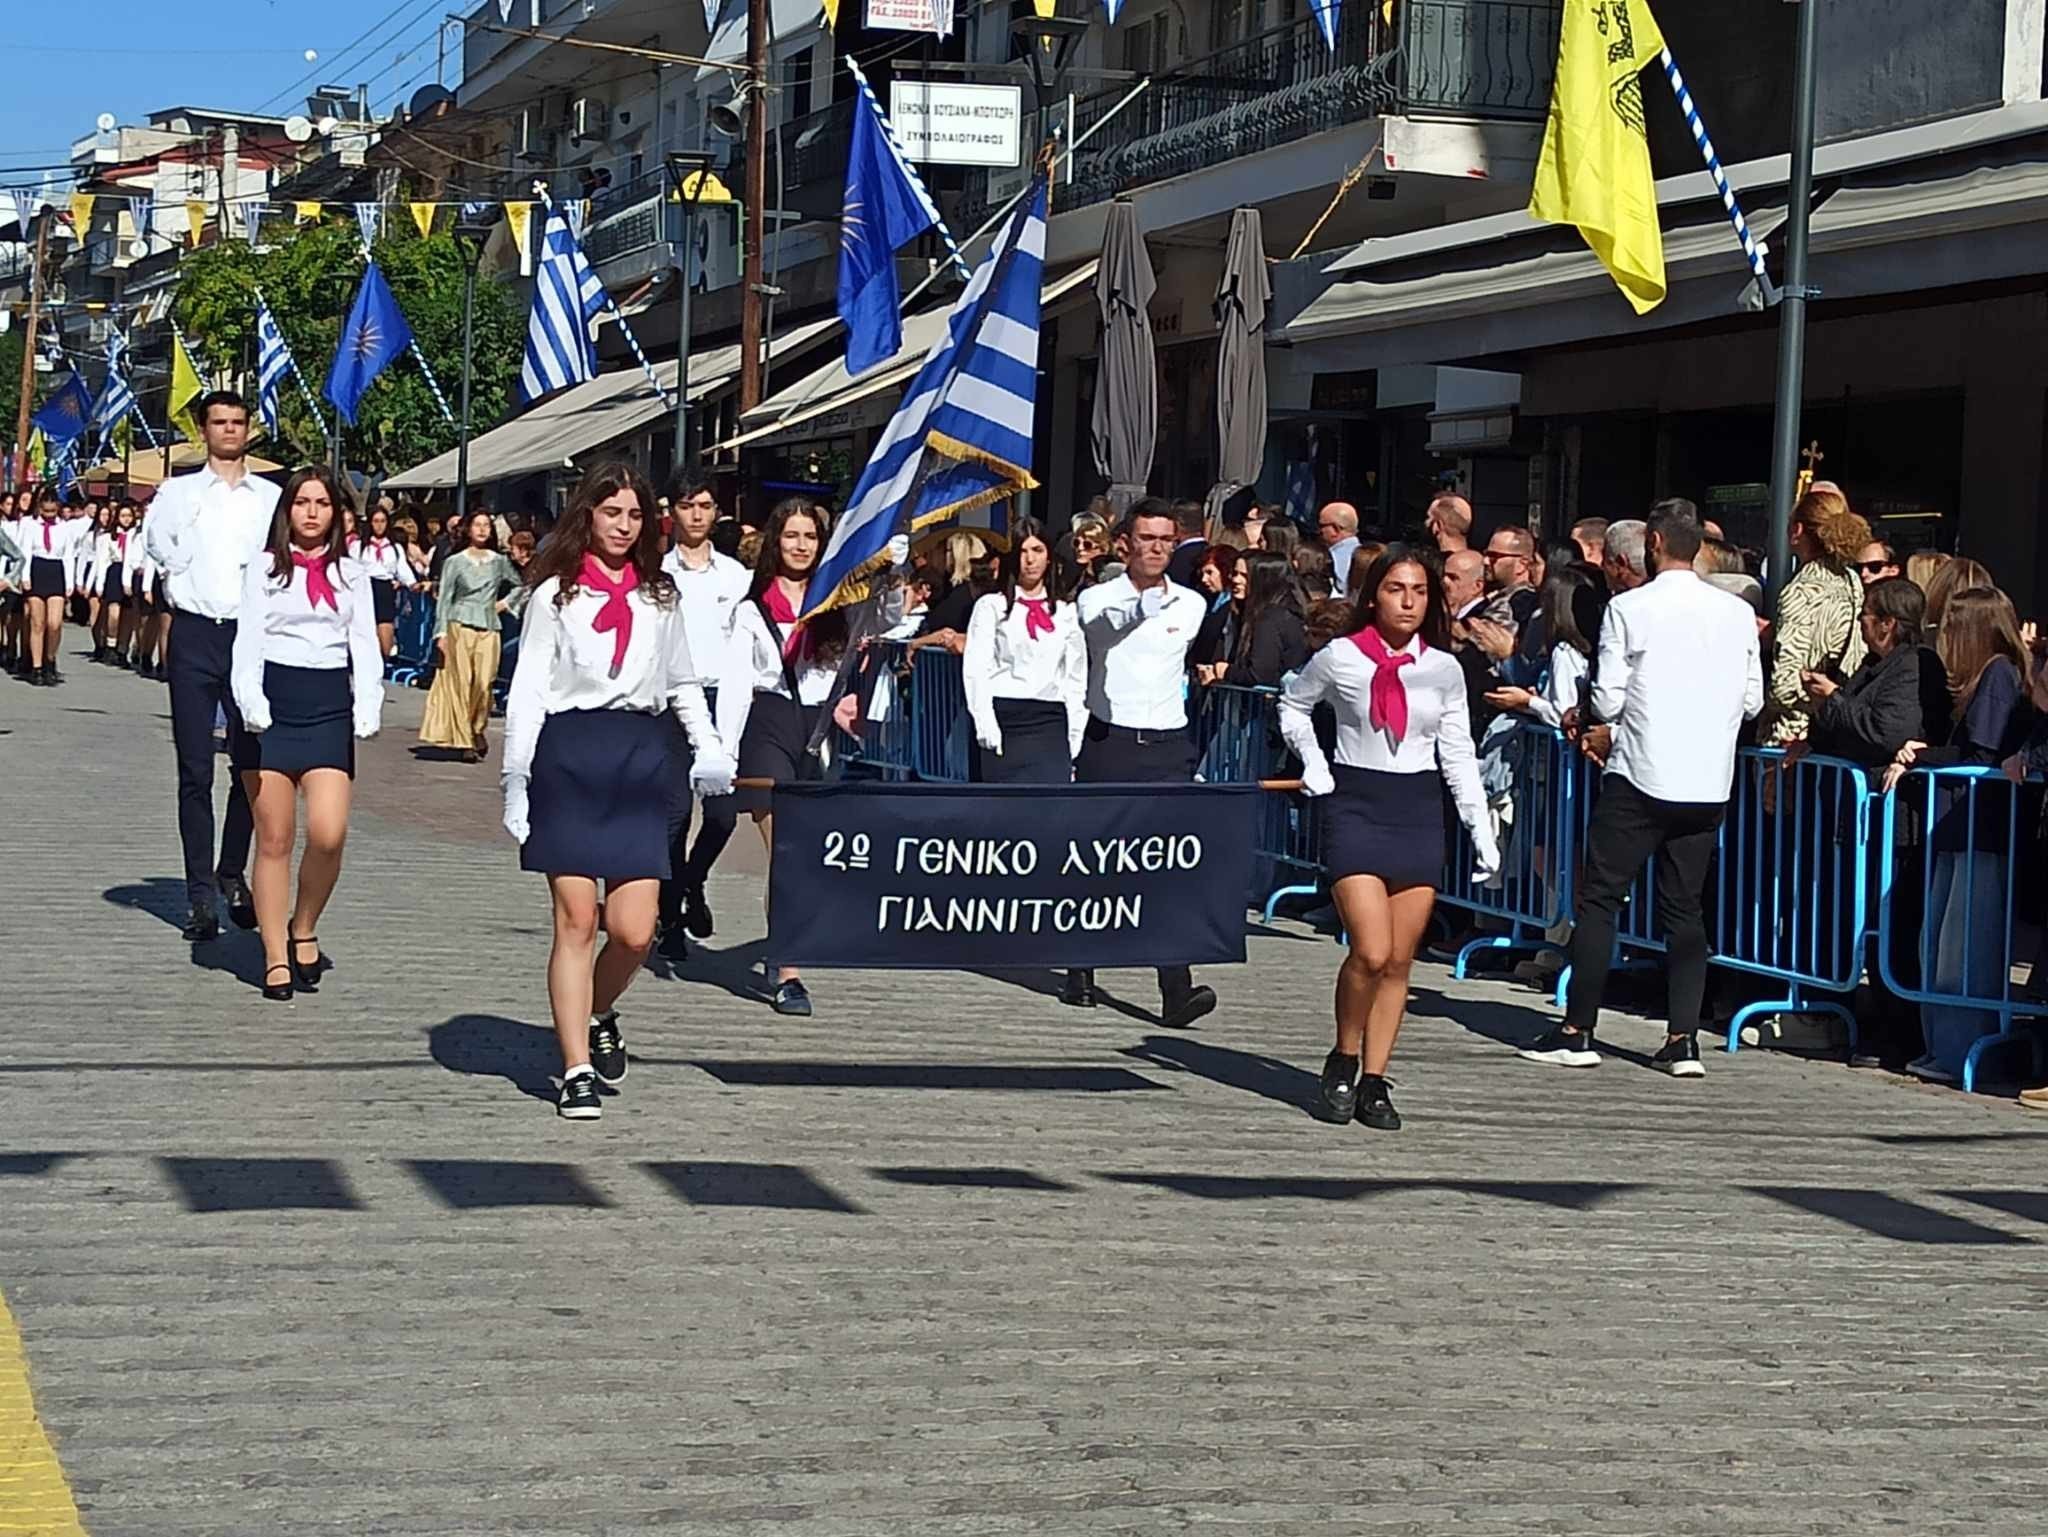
(519, 219)
(423, 216)
(81, 214)
(305, 213)
(185, 386)
(831, 15)
(195, 220)
(36, 454)
(1594, 171)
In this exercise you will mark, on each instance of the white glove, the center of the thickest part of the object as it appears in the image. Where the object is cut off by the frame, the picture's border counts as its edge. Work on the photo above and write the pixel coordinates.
(990, 736)
(899, 550)
(1152, 600)
(1316, 779)
(255, 723)
(515, 809)
(1487, 854)
(712, 775)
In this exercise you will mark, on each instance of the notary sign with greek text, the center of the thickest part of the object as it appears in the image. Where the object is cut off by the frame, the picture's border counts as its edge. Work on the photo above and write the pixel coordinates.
(947, 878)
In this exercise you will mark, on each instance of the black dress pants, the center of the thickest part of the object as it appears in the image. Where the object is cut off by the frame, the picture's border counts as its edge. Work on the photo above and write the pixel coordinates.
(688, 865)
(1118, 755)
(1629, 828)
(197, 666)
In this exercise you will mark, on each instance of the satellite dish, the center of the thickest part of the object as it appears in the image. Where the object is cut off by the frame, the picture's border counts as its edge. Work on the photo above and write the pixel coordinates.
(105, 122)
(326, 126)
(427, 99)
(138, 249)
(298, 129)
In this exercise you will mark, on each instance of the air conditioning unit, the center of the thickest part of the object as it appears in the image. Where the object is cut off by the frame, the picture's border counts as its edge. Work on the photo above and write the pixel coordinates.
(589, 119)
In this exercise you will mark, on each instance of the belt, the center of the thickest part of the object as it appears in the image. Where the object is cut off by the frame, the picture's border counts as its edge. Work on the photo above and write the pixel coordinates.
(1142, 736)
(197, 618)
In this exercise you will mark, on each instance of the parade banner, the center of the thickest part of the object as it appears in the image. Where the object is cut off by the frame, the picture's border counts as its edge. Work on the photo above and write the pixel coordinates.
(1005, 877)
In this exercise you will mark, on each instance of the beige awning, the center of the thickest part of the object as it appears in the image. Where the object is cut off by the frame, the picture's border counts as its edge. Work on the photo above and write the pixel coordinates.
(146, 466)
(586, 417)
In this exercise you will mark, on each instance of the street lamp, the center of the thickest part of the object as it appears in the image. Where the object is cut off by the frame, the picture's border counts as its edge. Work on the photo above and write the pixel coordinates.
(472, 230)
(690, 170)
(1049, 43)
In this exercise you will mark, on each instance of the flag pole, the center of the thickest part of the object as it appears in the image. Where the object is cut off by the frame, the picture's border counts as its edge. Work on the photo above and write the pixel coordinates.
(1792, 311)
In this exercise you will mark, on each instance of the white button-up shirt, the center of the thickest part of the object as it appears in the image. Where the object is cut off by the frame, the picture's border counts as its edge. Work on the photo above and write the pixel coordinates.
(280, 624)
(1138, 652)
(385, 560)
(1004, 660)
(1678, 674)
(708, 596)
(202, 534)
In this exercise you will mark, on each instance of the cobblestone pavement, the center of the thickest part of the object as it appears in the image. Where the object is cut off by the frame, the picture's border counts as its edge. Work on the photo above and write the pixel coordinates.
(946, 1258)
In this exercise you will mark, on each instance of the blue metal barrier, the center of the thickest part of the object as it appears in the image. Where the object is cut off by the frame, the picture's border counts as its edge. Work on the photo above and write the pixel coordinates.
(1539, 844)
(415, 637)
(1966, 942)
(941, 734)
(884, 744)
(1237, 734)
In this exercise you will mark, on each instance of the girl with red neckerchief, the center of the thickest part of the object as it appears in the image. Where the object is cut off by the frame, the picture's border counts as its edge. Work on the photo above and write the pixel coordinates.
(1026, 670)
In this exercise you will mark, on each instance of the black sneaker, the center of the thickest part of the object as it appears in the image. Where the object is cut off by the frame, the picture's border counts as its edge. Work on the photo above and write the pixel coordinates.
(672, 945)
(1182, 1012)
(241, 903)
(607, 1047)
(580, 1100)
(1562, 1048)
(1680, 1057)
(697, 913)
(1375, 1105)
(1078, 991)
(791, 998)
(1337, 1095)
(203, 925)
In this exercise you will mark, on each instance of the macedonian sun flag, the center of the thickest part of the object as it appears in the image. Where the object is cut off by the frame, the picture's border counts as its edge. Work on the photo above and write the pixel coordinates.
(1595, 168)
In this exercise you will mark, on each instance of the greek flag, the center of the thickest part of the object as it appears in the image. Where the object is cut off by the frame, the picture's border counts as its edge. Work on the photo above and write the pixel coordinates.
(116, 398)
(273, 364)
(567, 297)
(962, 437)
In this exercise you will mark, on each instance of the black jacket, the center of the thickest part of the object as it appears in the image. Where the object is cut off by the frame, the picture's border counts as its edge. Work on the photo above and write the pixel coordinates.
(1279, 646)
(1890, 701)
(1185, 566)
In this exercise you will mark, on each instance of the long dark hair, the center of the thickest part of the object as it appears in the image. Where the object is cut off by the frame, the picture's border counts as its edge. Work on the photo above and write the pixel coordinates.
(1436, 623)
(561, 555)
(280, 542)
(1268, 586)
(1574, 603)
(827, 631)
(1006, 569)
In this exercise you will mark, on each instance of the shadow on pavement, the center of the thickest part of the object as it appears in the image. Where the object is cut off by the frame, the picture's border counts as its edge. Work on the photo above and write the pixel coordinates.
(1885, 1216)
(1569, 1195)
(736, 971)
(1047, 984)
(1000, 1077)
(473, 1184)
(491, 1046)
(751, 1184)
(159, 896)
(1268, 1077)
(260, 1184)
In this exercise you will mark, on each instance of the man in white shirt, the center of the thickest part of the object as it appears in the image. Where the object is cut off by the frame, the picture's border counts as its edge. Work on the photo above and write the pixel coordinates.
(1337, 527)
(203, 530)
(710, 586)
(1677, 675)
(1138, 627)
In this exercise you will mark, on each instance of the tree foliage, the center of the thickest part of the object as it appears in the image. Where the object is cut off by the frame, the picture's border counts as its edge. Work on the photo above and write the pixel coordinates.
(10, 382)
(310, 279)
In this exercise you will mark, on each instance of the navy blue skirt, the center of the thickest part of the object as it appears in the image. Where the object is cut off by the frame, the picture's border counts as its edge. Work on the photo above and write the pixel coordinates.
(1389, 825)
(47, 578)
(1034, 745)
(598, 801)
(772, 747)
(115, 588)
(312, 723)
(384, 600)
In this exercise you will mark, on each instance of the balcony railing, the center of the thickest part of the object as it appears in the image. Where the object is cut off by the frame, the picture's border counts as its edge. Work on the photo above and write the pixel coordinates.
(1491, 59)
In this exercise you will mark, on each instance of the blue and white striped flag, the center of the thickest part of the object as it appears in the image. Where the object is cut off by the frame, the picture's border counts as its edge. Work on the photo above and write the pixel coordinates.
(567, 298)
(116, 398)
(962, 437)
(273, 364)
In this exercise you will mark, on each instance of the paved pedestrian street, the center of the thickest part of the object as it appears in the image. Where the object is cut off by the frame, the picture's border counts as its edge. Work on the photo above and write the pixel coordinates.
(946, 1258)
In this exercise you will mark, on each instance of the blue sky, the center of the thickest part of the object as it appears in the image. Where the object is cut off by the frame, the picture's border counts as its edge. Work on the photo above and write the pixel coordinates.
(58, 80)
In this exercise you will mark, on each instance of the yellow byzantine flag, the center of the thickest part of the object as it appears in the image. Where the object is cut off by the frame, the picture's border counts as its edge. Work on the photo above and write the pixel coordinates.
(1594, 171)
(185, 386)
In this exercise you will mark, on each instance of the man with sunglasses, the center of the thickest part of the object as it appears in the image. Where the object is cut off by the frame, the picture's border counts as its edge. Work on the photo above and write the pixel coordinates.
(1877, 562)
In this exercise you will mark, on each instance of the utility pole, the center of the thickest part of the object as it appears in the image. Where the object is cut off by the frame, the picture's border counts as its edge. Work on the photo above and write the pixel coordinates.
(1792, 309)
(28, 350)
(756, 195)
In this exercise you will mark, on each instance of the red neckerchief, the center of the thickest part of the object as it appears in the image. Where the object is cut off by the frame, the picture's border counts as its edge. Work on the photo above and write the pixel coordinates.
(615, 618)
(319, 589)
(1388, 710)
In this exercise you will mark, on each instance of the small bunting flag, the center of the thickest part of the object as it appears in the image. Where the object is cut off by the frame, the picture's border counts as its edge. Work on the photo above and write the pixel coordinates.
(195, 220)
(81, 213)
(305, 213)
(423, 216)
(519, 219)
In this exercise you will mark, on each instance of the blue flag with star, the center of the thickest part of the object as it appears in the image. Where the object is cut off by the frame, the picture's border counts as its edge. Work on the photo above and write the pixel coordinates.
(376, 334)
(66, 413)
(885, 205)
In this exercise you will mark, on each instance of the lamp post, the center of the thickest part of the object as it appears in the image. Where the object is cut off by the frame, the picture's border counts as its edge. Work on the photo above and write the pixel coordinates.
(690, 170)
(1792, 309)
(1048, 42)
(470, 234)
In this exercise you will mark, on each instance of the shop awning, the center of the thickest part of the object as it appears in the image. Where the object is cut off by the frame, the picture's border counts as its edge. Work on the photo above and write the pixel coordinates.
(584, 418)
(830, 392)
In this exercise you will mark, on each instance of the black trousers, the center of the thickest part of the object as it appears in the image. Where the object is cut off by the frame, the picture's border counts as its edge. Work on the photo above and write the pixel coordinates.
(197, 666)
(1628, 829)
(1119, 755)
(691, 864)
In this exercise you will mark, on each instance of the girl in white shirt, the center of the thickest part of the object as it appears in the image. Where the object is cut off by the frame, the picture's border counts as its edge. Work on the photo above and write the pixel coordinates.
(50, 541)
(114, 557)
(308, 683)
(1026, 671)
(1404, 732)
(1573, 603)
(777, 677)
(384, 559)
(590, 765)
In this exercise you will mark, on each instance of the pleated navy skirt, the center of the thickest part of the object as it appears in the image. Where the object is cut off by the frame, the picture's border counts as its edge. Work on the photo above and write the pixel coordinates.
(1389, 825)
(115, 588)
(47, 578)
(598, 801)
(1034, 745)
(384, 600)
(312, 723)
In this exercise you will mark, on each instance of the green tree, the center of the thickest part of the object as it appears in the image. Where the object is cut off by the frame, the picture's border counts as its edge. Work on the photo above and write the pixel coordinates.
(310, 280)
(10, 382)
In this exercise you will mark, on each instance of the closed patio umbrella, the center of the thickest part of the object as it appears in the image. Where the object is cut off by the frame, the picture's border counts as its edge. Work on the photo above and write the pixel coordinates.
(1126, 388)
(1242, 295)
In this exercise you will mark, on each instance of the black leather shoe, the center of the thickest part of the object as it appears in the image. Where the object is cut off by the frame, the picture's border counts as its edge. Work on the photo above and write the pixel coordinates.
(241, 904)
(673, 945)
(697, 913)
(792, 998)
(1079, 991)
(1337, 1094)
(202, 925)
(1376, 1105)
(307, 974)
(278, 992)
(1180, 1013)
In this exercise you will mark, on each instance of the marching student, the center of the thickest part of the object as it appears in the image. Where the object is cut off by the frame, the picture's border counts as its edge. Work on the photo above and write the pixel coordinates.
(588, 760)
(52, 548)
(389, 570)
(710, 585)
(145, 602)
(108, 581)
(778, 677)
(1138, 628)
(13, 577)
(202, 531)
(309, 683)
(1026, 671)
(1404, 732)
